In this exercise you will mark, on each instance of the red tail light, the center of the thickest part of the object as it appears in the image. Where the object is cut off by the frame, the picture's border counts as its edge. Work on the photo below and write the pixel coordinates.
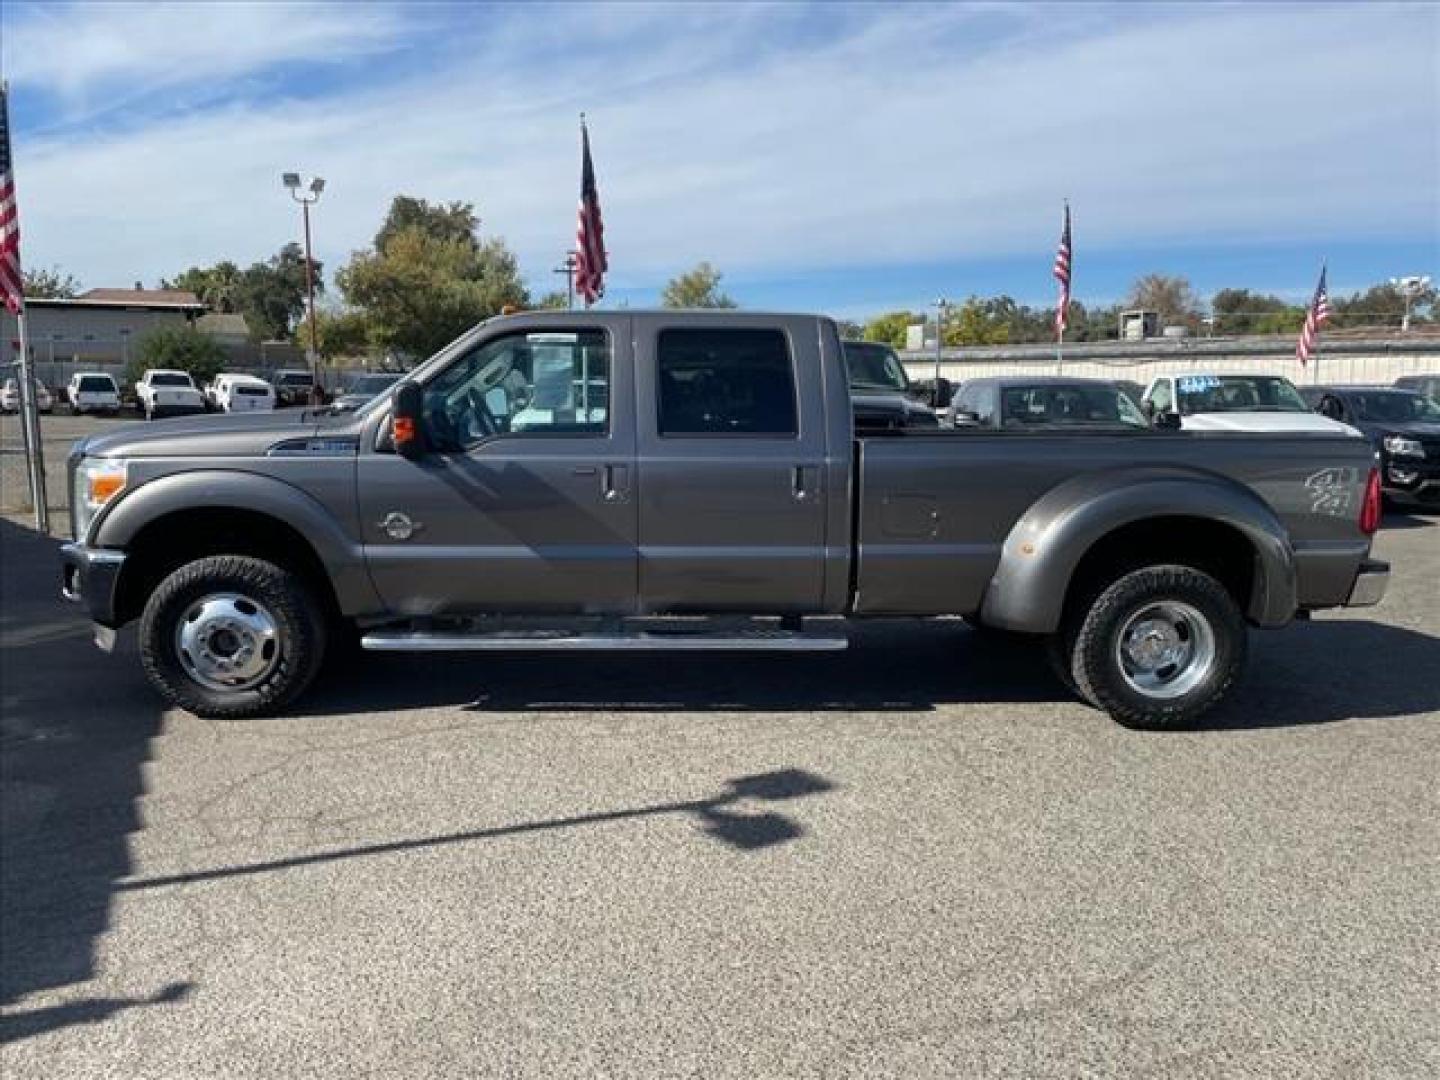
(1370, 508)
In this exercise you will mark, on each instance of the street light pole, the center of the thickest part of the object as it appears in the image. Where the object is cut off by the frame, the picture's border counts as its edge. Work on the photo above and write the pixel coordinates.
(940, 306)
(305, 195)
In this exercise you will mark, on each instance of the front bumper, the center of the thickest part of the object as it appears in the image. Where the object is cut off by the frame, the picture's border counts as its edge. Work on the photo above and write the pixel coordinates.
(1370, 584)
(92, 576)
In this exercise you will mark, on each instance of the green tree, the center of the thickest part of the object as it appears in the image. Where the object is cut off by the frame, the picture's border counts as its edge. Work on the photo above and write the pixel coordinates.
(49, 284)
(217, 287)
(342, 333)
(271, 294)
(455, 221)
(179, 347)
(1172, 296)
(850, 330)
(556, 300)
(890, 328)
(697, 288)
(1380, 306)
(421, 291)
(1240, 311)
(980, 322)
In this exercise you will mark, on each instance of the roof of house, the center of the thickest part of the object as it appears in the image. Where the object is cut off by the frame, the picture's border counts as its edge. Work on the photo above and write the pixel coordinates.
(166, 297)
(154, 299)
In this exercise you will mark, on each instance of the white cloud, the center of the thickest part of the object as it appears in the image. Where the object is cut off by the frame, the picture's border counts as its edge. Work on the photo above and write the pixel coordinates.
(912, 134)
(89, 52)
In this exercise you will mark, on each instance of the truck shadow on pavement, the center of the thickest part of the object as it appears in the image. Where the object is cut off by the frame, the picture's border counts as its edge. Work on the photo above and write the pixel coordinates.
(1316, 672)
(74, 739)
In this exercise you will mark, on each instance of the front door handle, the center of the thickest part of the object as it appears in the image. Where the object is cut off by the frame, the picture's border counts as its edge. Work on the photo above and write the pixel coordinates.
(804, 482)
(615, 483)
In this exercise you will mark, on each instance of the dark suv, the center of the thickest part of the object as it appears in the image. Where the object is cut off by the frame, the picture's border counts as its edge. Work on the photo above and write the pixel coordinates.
(293, 386)
(1402, 425)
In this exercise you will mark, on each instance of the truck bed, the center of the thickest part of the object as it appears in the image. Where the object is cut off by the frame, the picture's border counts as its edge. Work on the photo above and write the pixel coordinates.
(938, 507)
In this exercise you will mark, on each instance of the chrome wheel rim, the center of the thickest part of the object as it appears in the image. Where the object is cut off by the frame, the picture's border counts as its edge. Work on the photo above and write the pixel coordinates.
(1165, 650)
(228, 642)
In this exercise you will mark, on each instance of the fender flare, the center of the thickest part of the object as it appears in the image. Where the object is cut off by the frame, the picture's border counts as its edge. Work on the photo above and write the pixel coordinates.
(1044, 547)
(232, 489)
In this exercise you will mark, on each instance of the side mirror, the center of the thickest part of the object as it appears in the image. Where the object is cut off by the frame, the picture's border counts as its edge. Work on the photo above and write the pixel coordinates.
(1147, 406)
(1167, 421)
(407, 425)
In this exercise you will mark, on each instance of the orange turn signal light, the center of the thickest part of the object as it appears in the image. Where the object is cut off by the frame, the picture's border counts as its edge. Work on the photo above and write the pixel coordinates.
(404, 429)
(105, 486)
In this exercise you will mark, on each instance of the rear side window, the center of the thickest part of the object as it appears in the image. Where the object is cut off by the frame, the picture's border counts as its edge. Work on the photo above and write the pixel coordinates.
(726, 382)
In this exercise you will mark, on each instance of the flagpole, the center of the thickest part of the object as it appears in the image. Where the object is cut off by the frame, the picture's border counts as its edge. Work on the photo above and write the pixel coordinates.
(30, 428)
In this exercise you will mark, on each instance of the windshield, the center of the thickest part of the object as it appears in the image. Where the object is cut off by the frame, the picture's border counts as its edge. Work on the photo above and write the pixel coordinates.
(874, 367)
(373, 384)
(97, 383)
(1394, 406)
(1025, 405)
(175, 379)
(1238, 393)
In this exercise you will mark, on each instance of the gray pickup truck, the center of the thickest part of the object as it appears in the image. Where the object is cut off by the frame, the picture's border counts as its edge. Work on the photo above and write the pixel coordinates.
(688, 480)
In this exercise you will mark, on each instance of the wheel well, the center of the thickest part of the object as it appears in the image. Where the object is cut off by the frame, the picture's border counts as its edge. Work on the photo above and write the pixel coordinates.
(173, 540)
(1222, 551)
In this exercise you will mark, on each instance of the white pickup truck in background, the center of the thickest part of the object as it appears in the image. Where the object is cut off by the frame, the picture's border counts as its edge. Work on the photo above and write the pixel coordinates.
(1251, 403)
(163, 392)
(92, 392)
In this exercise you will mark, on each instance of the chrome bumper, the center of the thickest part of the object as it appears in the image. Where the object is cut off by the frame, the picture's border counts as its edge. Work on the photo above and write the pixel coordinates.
(1370, 584)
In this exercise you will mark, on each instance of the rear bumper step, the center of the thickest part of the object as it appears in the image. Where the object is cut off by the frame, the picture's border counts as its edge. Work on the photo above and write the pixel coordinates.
(635, 641)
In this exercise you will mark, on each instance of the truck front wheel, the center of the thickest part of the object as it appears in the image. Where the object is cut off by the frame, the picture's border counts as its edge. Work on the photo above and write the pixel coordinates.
(1157, 648)
(231, 636)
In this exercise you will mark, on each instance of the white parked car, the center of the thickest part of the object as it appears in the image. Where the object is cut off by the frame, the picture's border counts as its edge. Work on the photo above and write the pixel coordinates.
(1253, 403)
(168, 393)
(10, 397)
(241, 393)
(93, 392)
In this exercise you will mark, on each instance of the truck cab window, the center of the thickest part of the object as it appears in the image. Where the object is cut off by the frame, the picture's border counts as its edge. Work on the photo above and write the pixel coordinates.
(1161, 397)
(522, 385)
(725, 382)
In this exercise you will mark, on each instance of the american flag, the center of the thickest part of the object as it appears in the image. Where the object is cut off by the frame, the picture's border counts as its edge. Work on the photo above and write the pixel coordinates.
(12, 285)
(1316, 317)
(590, 261)
(1062, 275)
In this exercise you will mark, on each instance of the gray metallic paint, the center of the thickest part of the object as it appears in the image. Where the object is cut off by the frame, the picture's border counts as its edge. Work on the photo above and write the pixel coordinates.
(711, 524)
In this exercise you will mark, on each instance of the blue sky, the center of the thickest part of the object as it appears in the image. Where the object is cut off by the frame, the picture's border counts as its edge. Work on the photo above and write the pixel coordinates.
(848, 158)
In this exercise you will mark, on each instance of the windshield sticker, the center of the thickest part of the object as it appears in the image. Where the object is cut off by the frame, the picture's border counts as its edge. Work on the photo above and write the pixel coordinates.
(1198, 384)
(1332, 491)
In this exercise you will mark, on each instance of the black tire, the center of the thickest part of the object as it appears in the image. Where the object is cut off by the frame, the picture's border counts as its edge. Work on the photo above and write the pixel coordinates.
(1091, 643)
(299, 618)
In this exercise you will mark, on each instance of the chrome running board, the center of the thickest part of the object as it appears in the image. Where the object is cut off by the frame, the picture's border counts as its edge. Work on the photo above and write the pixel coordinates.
(634, 641)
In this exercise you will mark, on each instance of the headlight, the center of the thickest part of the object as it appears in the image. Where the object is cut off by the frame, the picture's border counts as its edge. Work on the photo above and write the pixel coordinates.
(97, 481)
(1403, 446)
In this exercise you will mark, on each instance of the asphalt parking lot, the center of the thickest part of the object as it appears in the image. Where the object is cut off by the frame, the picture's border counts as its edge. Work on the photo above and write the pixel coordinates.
(917, 858)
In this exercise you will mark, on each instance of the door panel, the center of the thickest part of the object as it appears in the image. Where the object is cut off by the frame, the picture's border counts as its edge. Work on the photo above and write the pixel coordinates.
(732, 517)
(538, 515)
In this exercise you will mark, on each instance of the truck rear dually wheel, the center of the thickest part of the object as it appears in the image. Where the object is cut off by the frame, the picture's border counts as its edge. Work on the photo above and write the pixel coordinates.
(231, 636)
(1156, 648)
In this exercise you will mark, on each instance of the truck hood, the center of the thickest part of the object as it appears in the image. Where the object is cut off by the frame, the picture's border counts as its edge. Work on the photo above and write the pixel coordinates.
(219, 435)
(1257, 422)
